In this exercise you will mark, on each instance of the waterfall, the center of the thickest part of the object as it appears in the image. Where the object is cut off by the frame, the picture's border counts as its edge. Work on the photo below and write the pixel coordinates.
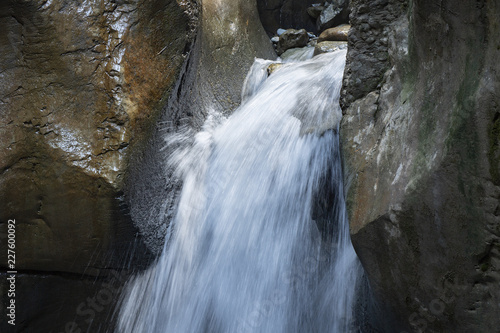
(260, 240)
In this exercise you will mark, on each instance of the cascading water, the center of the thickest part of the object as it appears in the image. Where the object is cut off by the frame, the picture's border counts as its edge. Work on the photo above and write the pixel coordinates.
(244, 252)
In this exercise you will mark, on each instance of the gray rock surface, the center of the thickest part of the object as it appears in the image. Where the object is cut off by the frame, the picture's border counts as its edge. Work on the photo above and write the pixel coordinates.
(336, 12)
(315, 10)
(292, 38)
(297, 54)
(420, 140)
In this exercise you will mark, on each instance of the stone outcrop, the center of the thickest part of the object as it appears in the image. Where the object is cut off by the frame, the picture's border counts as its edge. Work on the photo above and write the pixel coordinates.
(315, 10)
(327, 46)
(312, 15)
(336, 12)
(420, 142)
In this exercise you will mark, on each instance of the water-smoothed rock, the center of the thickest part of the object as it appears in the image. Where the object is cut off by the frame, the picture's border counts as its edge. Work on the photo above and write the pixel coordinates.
(229, 38)
(339, 33)
(325, 47)
(297, 54)
(420, 141)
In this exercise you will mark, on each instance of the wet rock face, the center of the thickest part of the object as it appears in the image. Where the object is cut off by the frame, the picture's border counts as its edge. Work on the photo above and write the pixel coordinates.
(229, 37)
(292, 38)
(420, 143)
(80, 83)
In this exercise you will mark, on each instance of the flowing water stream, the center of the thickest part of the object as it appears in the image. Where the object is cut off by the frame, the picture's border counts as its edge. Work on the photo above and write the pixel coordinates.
(260, 241)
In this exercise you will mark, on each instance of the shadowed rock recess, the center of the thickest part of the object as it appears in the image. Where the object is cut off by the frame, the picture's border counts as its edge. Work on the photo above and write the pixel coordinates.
(421, 150)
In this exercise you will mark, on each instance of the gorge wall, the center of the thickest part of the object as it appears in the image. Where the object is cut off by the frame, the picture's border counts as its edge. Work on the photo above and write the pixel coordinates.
(80, 84)
(420, 140)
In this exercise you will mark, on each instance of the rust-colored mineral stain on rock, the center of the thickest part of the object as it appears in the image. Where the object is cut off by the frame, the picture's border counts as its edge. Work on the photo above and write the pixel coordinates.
(152, 60)
(147, 76)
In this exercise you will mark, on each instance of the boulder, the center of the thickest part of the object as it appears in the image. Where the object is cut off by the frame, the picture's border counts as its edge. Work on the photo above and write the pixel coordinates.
(325, 47)
(335, 34)
(297, 54)
(420, 142)
(292, 38)
(88, 91)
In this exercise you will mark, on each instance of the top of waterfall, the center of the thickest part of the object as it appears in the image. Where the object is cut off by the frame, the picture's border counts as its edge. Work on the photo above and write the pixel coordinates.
(308, 90)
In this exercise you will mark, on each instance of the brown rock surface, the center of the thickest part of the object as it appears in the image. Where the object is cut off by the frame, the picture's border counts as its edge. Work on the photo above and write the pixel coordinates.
(83, 90)
(80, 83)
(337, 34)
(228, 39)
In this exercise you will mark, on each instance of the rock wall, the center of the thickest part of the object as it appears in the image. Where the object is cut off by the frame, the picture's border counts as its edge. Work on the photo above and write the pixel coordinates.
(420, 140)
(81, 83)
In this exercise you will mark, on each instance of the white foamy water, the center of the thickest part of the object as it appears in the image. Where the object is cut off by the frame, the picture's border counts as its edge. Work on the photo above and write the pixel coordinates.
(244, 252)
